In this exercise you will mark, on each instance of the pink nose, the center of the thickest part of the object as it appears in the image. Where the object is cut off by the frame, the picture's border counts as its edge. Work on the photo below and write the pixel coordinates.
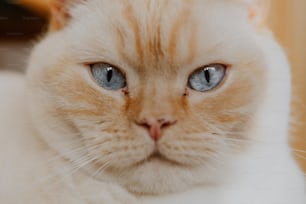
(155, 126)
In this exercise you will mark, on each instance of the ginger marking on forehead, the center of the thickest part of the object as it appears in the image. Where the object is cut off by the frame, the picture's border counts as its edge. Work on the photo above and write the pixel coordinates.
(178, 24)
(193, 42)
(155, 41)
(132, 21)
(121, 45)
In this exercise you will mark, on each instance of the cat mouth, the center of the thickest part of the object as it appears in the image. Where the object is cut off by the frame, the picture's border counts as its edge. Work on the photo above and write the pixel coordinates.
(156, 156)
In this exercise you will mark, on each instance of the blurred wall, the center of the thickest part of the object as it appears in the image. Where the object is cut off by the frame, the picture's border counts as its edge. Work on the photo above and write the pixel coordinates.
(288, 20)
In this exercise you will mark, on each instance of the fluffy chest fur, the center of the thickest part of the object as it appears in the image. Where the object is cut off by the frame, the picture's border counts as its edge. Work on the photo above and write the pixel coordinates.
(151, 102)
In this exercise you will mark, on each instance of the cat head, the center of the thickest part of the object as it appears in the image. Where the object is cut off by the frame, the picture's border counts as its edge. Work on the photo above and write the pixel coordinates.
(157, 96)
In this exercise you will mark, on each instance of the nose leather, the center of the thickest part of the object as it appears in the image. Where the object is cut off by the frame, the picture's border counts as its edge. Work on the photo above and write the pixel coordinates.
(155, 126)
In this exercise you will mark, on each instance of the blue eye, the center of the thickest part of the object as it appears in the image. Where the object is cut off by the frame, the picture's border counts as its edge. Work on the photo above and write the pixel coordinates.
(108, 76)
(207, 78)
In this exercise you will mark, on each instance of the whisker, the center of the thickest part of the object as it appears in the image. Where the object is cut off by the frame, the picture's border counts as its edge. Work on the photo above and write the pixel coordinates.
(299, 150)
(300, 156)
(74, 166)
(101, 169)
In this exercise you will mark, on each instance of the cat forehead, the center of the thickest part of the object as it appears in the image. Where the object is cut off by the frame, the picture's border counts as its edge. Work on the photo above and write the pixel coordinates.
(150, 10)
(146, 31)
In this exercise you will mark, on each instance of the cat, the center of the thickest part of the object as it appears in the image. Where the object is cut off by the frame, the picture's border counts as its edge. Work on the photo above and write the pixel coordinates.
(150, 101)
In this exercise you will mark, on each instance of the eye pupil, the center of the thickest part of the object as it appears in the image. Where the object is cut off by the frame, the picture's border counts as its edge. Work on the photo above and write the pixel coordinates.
(207, 75)
(109, 74)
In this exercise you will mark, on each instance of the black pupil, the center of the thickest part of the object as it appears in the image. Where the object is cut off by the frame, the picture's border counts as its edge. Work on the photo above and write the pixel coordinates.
(109, 74)
(207, 75)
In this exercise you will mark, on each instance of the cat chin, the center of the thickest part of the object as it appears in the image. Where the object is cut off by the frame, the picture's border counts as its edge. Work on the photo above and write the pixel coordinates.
(158, 176)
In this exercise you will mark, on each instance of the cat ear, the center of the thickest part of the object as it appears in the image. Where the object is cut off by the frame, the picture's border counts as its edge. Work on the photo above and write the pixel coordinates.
(257, 10)
(60, 12)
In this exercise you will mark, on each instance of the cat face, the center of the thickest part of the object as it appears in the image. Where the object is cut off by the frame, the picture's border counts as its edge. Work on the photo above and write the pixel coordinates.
(151, 94)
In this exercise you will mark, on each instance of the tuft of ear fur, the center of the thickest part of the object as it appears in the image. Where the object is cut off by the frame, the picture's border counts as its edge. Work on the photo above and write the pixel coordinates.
(60, 13)
(257, 10)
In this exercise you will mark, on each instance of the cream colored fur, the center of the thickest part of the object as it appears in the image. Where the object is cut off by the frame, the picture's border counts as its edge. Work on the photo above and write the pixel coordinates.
(42, 146)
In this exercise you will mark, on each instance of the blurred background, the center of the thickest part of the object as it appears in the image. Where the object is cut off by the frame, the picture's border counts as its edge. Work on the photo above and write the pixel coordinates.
(22, 23)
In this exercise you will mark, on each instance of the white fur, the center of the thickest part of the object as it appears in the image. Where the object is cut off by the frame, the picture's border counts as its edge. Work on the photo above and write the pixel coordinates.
(32, 172)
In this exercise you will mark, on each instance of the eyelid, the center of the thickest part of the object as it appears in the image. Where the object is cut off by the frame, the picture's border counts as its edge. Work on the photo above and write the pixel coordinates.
(93, 67)
(220, 83)
(226, 66)
(90, 64)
